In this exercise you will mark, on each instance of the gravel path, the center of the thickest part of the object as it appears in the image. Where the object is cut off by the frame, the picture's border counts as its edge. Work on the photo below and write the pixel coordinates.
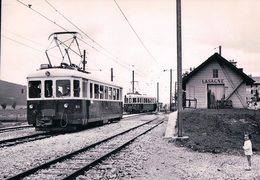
(21, 157)
(149, 157)
(152, 157)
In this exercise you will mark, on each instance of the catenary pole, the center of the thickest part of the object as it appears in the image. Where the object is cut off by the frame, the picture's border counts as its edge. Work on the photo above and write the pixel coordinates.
(179, 67)
(170, 89)
(0, 37)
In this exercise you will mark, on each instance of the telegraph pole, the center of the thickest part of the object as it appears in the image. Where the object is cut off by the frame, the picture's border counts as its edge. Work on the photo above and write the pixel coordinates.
(179, 68)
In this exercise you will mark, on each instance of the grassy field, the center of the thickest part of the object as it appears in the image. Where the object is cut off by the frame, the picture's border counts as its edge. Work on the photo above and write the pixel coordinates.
(221, 130)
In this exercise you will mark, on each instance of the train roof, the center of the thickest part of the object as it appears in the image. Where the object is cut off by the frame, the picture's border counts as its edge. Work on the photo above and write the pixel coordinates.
(134, 95)
(64, 72)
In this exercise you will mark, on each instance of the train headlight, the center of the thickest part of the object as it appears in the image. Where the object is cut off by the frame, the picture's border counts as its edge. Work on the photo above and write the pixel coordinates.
(66, 105)
(31, 106)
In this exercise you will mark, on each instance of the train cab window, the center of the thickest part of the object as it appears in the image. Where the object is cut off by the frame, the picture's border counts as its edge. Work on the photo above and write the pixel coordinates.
(91, 90)
(110, 93)
(76, 88)
(96, 91)
(34, 89)
(62, 88)
(101, 91)
(85, 88)
(48, 88)
(106, 92)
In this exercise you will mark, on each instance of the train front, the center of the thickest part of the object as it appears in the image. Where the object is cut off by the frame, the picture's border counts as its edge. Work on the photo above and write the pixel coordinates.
(53, 100)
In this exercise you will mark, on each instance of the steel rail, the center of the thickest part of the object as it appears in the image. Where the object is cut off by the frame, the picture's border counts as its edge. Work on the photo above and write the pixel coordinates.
(22, 139)
(100, 159)
(13, 128)
(69, 155)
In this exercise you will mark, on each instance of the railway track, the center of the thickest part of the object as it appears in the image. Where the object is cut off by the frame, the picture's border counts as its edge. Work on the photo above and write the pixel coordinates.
(2, 130)
(76, 163)
(23, 139)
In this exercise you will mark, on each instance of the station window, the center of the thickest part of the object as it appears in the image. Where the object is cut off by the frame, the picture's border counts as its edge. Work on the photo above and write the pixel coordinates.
(96, 91)
(62, 88)
(106, 92)
(76, 88)
(91, 90)
(215, 73)
(48, 88)
(101, 91)
(34, 89)
(85, 88)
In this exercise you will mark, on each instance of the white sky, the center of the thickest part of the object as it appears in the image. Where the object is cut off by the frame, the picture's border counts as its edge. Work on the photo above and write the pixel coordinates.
(233, 24)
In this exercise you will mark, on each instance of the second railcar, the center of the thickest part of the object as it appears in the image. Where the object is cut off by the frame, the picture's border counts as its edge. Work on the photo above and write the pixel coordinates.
(138, 103)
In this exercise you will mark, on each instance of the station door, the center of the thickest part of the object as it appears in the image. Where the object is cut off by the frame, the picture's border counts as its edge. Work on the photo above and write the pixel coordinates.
(215, 92)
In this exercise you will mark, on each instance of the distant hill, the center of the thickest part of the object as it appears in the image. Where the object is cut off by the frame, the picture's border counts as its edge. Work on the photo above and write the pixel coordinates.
(11, 92)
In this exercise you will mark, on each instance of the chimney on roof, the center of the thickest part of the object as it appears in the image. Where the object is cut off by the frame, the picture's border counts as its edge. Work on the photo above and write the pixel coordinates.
(232, 61)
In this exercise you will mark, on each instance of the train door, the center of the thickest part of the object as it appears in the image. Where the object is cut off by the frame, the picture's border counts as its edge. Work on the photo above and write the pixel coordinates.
(215, 92)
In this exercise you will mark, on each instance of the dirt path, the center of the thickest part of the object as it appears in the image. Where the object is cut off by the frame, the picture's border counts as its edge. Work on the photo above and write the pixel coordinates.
(167, 161)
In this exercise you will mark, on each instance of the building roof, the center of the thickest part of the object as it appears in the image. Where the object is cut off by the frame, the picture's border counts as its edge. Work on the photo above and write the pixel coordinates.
(220, 60)
(256, 79)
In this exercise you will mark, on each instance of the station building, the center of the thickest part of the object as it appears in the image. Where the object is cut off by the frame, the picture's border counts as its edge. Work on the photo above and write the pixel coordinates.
(11, 93)
(253, 91)
(216, 82)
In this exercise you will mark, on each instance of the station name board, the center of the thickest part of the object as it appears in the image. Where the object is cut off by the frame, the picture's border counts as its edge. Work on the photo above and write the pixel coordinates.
(212, 81)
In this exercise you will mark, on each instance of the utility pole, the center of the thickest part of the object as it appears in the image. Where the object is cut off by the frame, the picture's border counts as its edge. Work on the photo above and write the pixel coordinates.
(112, 74)
(170, 89)
(84, 60)
(157, 96)
(133, 81)
(179, 67)
(0, 37)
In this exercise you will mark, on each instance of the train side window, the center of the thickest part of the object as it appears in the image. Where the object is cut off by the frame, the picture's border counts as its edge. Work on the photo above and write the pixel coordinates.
(34, 89)
(91, 90)
(62, 88)
(85, 88)
(114, 94)
(96, 91)
(120, 94)
(101, 91)
(106, 92)
(48, 88)
(134, 100)
(76, 88)
(117, 94)
(110, 93)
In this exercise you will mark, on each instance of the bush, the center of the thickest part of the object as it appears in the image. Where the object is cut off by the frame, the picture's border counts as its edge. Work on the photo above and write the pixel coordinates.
(14, 105)
(3, 105)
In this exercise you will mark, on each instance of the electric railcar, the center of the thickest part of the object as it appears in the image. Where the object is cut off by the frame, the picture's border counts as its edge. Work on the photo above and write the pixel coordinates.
(64, 97)
(138, 103)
